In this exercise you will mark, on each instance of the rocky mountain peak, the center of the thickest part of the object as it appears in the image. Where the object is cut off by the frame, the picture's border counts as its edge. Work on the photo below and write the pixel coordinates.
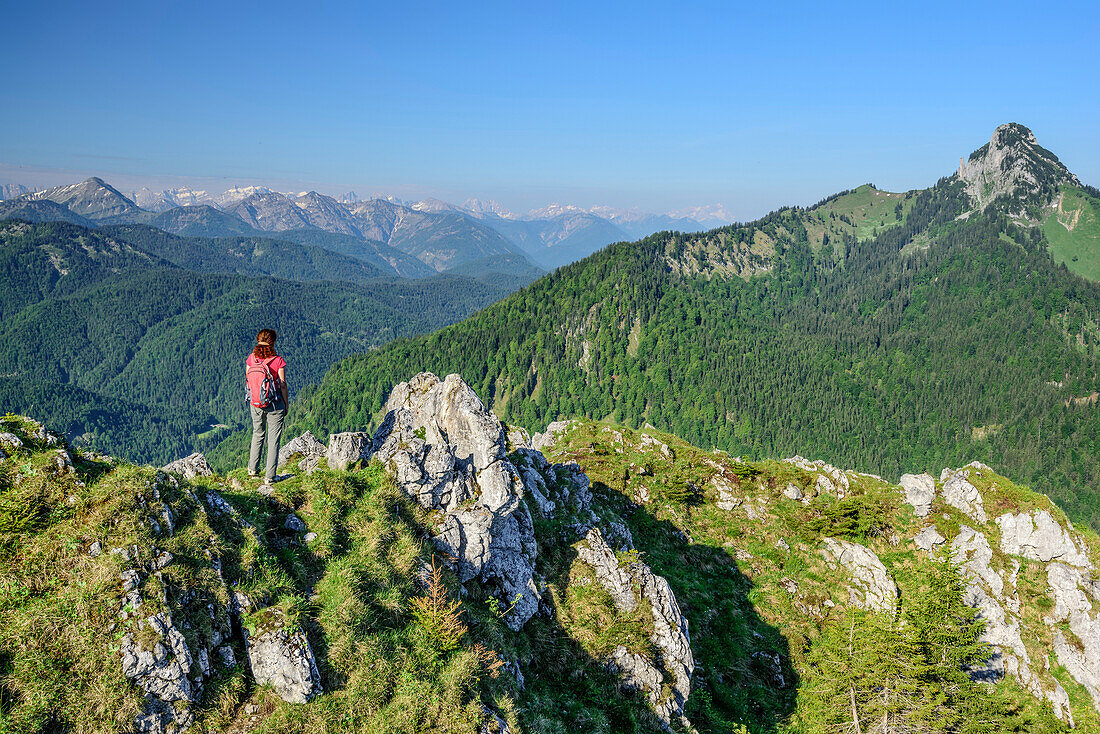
(93, 198)
(1014, 169)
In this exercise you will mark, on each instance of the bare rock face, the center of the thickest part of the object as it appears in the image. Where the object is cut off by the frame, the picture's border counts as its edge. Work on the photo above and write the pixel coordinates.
(348, 451)
(280, 655)
(666, 681)
(1038, 536)
(303, 447)
(1012, 161)
(557, 490)
(964, 496)
(929, 539)
(871, 587)
(920, 491)
(162, 673)
(546, 439)
(997, 603)
(612, 577)
(448, 452)
(10, 442)
(189, 467)
(1074, 592)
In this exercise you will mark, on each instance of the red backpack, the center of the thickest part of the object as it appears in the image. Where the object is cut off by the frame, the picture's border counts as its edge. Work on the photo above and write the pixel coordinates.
(261, 382)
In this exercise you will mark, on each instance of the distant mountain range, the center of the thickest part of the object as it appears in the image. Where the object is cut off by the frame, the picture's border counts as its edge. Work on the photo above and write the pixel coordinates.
(437, 235)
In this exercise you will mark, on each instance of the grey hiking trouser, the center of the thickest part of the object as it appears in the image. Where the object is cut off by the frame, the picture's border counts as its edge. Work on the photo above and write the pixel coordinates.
(266, 423)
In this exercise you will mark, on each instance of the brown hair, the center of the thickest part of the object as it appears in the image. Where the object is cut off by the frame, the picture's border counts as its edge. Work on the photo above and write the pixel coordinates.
(265, 344)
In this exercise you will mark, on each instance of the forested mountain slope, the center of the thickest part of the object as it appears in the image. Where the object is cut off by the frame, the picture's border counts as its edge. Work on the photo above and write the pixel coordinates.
(152, 351)
(934, 327)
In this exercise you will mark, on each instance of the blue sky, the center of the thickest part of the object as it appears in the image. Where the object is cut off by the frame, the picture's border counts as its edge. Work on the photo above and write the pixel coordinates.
(659, 105)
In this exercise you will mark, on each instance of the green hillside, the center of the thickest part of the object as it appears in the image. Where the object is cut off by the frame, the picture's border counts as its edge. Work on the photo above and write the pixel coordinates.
(1073, 231)
(747, 339)
(785, 638)
(861, 212)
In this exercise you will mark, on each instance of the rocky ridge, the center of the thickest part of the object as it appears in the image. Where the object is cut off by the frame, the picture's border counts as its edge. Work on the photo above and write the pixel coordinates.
(500, 503)
(1013, 167)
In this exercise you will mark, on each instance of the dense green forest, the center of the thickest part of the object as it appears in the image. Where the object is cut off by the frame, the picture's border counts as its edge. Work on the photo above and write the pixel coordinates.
(938, 340)
(135, 339)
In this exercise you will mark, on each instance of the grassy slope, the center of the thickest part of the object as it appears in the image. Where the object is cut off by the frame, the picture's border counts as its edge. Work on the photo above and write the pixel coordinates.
(862, 212)
(748, 597)
(1073, 230)
(755, 607)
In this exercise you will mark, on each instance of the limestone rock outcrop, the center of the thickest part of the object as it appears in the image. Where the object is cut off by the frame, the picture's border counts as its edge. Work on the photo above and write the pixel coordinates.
(1011, 162)
(871, 586)
(666, 681)
(929, 539)
(279, 655)
(962, 495)
(920, 491)
(161, 671)
(348, 451)
(1038, 536)
(301, 448)
(997, 602)
(189, 467)
(448, 452)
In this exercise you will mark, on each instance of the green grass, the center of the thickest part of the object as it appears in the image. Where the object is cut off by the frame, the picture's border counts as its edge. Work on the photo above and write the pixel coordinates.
(862, 212)
(1073, 231)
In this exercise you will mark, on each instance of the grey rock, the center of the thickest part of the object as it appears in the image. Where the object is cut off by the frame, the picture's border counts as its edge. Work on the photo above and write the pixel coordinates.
(448, 452)
(309, 465)
(1038, 536)
(929, 539)
(189, 467)
(10, 442)
(62, 463)
(792, 492)
(871, 587)
(728, 498)
(305, 446)
(95, 550)
(1072, 588)
(518, 438)
(964, 496)
(309, 537)
(131, 579)
(348, 451)
(970, 550)
(493, 723)
(162, 671)
(280, 656)
(637, 673)
(294, 524)
(228, 658)
(667, 679)
(920, 491)
(605, 565)
(1008, 164)
(450, 412)
(985, 592)
(549, 437)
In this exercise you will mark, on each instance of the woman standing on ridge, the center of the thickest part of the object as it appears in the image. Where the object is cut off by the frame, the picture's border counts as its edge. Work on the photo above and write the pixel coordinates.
(265, 375)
